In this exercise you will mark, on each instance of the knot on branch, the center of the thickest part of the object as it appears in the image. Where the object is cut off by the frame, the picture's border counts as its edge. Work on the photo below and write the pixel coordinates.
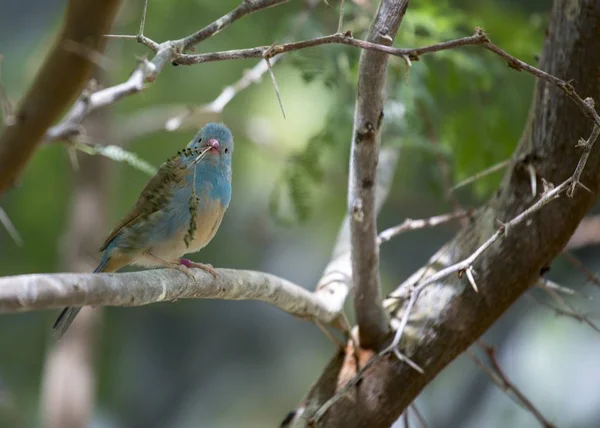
(480, 33)
(357, 212)
(589, 101)
(366, 132)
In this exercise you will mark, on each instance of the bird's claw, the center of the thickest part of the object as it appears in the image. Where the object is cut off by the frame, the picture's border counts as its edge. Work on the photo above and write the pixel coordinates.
(184, 269)
(205, 267)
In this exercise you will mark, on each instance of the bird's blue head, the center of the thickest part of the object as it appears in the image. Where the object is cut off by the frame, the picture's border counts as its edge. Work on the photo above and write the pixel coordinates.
(218, 138)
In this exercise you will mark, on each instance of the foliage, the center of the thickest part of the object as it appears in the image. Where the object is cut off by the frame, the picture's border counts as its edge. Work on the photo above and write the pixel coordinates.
(431, 103)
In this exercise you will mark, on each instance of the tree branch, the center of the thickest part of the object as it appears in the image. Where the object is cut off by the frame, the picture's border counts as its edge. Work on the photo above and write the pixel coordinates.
(61, 77)
(148, 71)
(479, 38)
(336, 280)
(448, 316)
(44, 291)
(368, 115)
(497, 375)
(247, 7)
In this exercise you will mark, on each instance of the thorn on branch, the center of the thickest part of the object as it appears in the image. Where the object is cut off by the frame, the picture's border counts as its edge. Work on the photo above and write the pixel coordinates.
(341, 19)
(503, 228)
(583, 144)
(143, 21)
(470, 271)
(275, 86)
(532, 179)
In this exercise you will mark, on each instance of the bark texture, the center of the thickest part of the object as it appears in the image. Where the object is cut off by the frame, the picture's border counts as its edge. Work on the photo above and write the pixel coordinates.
(61, 78)
(368, 114)
(449, 315)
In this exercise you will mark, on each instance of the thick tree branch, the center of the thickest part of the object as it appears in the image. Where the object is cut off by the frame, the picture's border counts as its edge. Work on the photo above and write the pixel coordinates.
(448, 315)
(45, 291)
(62, 76)
(368, 116)
(336, 280)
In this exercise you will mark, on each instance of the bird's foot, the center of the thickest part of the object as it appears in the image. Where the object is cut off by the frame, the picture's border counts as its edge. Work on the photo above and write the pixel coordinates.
(205, 267)
(184, 269)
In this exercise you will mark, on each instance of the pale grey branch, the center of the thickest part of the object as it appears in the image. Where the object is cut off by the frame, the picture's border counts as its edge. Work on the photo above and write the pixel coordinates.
(147, 71)
(44, 291)
(336, 280)
(368, 115)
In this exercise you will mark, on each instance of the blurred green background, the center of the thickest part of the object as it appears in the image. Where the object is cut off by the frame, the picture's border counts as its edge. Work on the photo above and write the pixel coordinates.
(246, 364)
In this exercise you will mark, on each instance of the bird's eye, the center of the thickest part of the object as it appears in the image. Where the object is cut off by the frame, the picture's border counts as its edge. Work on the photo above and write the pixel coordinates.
(226, 150)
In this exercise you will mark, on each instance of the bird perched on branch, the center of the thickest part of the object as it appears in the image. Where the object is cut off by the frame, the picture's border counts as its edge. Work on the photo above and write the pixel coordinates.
(178, 212)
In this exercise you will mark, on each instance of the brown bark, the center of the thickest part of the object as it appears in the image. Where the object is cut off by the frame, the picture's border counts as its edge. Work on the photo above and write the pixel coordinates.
(371, 318)
(449, 315)
(61, 78)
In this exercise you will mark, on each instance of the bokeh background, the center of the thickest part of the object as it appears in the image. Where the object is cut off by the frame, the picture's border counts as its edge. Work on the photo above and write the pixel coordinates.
(246, 364)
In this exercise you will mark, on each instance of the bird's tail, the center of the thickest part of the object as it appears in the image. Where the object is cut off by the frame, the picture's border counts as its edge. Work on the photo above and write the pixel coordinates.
(66, 317)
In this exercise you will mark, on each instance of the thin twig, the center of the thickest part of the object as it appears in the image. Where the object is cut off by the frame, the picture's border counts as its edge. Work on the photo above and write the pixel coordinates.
(143, 20)
(338, 38)
(496, 374)
(10, 228)
(578, 264)
(569, 310)
(170, 51)
(247, 7)
(148, 71)
(419, 416)
(562, 312)
(341, 20)
(275, 86)
(121, 36)
(467, 263)
(217, 106)
(410, 224)
(499, 166)
(546, 283)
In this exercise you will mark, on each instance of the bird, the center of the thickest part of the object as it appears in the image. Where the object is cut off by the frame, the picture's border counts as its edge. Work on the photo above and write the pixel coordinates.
(178, 212)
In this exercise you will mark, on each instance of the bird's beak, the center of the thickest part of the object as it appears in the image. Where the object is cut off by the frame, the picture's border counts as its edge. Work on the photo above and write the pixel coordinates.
(213, 143)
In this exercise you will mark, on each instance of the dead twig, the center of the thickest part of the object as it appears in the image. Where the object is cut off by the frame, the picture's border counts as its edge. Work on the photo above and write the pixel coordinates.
(497, 375)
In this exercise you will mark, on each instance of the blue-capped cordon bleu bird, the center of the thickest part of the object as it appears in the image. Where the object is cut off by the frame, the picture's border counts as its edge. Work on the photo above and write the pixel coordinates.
(178, 212)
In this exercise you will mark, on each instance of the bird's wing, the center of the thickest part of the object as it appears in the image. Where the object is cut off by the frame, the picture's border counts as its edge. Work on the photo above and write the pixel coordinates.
(155, 195)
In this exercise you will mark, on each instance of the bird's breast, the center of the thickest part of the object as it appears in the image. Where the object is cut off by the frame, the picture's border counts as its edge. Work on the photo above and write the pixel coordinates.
(207, 223)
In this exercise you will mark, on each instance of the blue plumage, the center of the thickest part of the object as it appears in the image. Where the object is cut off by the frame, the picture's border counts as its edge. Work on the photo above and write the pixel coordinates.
(178, 212)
